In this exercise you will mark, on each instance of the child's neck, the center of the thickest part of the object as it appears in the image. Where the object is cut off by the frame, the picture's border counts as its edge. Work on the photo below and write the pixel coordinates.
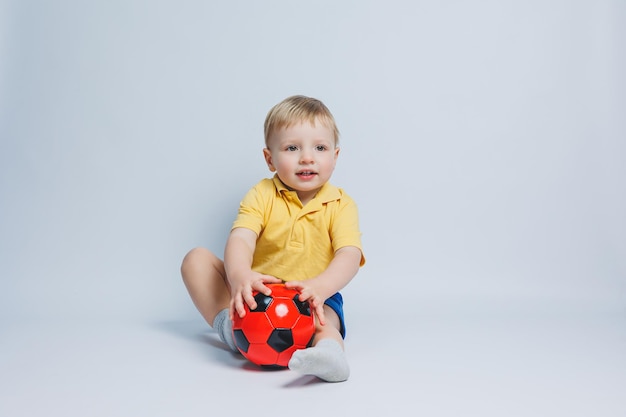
(304, 199)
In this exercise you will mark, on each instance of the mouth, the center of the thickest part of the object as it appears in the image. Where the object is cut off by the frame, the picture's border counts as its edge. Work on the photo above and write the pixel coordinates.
(306, 173)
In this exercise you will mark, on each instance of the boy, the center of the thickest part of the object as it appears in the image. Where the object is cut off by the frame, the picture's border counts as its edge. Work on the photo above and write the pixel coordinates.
(295, 228)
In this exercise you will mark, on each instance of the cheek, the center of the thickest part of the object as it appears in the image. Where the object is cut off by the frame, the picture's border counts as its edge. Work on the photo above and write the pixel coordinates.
(330, 162)
(282, 162)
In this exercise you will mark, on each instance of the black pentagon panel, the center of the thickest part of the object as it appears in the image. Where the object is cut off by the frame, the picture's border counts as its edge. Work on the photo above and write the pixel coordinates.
(303, 306)
(311, 341)
(280, 339)
(262, 302)
(240, 340)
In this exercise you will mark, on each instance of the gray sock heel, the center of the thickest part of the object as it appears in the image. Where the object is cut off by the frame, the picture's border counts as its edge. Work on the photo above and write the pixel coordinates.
(224, 328)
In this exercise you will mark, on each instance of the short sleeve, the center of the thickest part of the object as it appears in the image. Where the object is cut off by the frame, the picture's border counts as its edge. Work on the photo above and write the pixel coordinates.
(251, 211)
(345, 229)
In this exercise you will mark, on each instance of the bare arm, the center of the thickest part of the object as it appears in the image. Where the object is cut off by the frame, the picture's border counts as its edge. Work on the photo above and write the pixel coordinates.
(339, 273)
(243, 280)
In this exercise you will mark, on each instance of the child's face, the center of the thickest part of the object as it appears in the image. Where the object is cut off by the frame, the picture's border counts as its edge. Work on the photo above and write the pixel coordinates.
(303, 156)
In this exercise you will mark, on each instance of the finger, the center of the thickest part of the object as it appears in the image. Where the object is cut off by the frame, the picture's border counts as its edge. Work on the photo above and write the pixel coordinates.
(238, 306)
(296, 286)
(262, 288)
(319, 311)
(249, 299)
(271, 279)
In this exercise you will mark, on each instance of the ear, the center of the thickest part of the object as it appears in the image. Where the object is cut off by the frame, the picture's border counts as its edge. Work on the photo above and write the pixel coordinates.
(268, 159)
(336, 153)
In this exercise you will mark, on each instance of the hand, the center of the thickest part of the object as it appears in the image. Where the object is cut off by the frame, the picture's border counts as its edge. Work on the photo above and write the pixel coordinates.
(242, 288)
(311, 291)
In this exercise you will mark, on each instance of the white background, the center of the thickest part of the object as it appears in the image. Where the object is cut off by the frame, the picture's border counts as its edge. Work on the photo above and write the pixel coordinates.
(484, 141)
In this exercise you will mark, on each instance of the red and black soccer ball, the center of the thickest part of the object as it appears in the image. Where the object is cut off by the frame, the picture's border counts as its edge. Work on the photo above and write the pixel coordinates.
(275, 329)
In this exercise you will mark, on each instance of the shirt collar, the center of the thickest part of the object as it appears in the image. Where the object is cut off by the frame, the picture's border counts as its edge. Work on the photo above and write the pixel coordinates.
(327, 193)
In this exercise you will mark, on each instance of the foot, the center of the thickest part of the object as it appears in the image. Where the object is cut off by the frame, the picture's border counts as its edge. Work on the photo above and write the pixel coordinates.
(326, 360)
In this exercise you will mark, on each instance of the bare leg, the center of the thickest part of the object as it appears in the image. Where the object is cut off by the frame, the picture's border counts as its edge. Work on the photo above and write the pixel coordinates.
(204, 276)
(330, 330)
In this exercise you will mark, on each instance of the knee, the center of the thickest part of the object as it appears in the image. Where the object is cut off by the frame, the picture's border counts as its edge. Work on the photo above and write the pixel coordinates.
(195, 259)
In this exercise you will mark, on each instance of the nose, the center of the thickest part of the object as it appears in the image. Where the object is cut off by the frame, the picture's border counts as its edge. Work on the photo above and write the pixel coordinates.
(306, 156)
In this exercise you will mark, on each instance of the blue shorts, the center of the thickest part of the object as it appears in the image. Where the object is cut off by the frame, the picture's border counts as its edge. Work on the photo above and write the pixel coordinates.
(336, 303)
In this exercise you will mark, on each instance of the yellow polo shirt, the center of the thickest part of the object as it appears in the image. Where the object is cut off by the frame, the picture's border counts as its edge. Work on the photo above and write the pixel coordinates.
(296, 243)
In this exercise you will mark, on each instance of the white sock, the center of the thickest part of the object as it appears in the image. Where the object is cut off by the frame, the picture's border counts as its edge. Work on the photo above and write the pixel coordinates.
(224, 328)
(326, 360)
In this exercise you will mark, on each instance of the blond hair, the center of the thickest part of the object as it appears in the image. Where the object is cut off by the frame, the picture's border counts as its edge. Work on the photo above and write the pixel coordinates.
(296, 109)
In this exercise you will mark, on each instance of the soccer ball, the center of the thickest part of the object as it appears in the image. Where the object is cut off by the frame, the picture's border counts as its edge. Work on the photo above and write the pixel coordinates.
(275, 329)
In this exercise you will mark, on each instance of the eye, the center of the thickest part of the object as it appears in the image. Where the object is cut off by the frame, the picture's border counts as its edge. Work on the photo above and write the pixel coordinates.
(291, 148)
(321, 148)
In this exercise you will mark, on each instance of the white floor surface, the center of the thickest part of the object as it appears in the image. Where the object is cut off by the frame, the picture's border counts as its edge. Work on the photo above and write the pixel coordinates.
(487, 364)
